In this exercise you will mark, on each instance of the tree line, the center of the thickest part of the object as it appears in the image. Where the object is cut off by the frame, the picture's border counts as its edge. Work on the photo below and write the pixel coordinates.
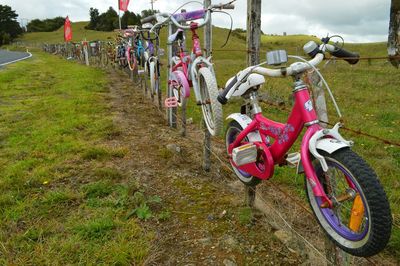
(108, 20)
(46, 25)
(9, 26)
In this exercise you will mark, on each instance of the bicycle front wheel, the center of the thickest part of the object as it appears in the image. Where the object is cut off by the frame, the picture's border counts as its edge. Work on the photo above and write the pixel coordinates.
(211, 108)
(360, 222)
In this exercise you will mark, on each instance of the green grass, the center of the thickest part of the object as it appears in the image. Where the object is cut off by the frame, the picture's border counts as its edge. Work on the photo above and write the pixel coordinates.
(58, 204)
(367, 94)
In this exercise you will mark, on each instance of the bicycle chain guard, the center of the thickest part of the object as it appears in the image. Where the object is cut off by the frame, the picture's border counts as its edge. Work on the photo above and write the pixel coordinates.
(171, 102)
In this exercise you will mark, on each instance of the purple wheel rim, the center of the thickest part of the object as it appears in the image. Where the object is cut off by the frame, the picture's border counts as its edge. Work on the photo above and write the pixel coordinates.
(334, 221)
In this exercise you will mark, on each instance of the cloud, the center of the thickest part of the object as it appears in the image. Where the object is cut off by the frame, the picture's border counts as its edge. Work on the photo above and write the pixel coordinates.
(365, 20)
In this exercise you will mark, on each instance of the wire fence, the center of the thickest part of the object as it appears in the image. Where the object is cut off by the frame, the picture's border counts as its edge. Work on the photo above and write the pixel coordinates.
(282, 207)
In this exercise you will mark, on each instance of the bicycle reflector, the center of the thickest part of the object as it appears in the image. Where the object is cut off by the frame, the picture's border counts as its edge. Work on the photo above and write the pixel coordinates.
(171, 102)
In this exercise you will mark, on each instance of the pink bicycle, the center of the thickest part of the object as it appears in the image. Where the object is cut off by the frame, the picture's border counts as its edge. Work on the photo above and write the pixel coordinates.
(192, 70)
(343, 191)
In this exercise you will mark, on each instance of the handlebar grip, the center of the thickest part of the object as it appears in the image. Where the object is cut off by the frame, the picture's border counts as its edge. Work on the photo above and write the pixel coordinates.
(222, 96)
(228, 6)
(350, 57)
(224, 6)
(148, 19)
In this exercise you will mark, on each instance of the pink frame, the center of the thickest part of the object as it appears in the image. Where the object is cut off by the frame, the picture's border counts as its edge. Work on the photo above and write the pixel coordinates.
(184, 64)
(284, 135)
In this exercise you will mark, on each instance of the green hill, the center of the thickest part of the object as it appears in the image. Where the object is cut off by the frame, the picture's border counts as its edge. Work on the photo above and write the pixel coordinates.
(79, 33)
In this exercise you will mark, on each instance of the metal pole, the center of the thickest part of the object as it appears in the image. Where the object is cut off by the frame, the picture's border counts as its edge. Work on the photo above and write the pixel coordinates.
(119, 18)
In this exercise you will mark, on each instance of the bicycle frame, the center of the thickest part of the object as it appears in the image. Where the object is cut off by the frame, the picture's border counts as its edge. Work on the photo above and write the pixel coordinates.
(284, 135)
(190, 70)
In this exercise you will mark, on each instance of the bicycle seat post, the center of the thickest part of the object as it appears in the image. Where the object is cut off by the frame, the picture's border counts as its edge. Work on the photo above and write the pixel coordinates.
(255, 107)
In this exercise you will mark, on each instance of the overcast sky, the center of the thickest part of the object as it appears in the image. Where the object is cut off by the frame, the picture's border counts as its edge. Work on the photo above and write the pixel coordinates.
(356, 21)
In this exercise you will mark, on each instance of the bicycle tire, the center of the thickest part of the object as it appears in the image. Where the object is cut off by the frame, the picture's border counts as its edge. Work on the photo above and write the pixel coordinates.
(375, 228)
(180, 86)
(233, 130)
(132, 62)
(152, 73)
(211, 108)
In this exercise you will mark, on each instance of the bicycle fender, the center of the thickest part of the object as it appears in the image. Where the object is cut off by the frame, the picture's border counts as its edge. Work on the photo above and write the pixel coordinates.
(328, 140)
(330, 145)
(244, 121)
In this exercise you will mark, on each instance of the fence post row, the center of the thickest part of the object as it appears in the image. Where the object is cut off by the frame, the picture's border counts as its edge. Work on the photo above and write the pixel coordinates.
(253, 38)
(394, 32)
(208, 51)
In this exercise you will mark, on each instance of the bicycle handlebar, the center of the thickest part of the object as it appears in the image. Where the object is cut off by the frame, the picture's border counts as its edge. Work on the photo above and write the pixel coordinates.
(311, 48)
(148, 19)
(351, 57)
(186, 16)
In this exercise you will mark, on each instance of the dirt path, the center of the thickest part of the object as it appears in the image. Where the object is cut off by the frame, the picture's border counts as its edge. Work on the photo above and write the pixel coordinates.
(208, 224)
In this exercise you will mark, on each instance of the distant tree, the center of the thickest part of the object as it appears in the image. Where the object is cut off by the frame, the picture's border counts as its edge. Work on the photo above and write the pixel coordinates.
(9, 27)
(107, 21)
(46, 25)
(94, 18)
(149, 12)
(129, 18)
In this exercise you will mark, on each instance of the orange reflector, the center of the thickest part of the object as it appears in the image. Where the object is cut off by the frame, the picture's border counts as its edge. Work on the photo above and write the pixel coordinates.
(357, 214)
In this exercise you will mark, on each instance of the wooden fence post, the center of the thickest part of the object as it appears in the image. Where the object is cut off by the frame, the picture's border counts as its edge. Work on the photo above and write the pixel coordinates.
(394, 32)
(253, 31)
(253, 57)
(171, 112)
(207, 135)
(333, 254)
(85, 52)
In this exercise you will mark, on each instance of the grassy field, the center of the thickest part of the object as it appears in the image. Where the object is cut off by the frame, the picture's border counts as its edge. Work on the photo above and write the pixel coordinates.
(367, 94)
(59, 203)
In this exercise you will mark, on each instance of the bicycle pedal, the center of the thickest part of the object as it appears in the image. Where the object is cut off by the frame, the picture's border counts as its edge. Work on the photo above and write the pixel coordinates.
(293, 159)
(245, 154)
(171, 102)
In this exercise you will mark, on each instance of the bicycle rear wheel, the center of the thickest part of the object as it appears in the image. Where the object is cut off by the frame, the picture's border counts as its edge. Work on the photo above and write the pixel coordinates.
(211, 108)
(231, 134)
(132, 63)
(360, 221)
(179, 86)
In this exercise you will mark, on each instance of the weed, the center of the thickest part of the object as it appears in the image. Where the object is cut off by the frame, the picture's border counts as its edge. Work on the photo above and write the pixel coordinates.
(108, 172)
(245, 215)
(99, 229)
(97, 189)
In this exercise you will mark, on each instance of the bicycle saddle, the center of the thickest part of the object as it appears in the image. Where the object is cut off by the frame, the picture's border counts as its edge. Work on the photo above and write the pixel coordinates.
(178, 35)
(147, 26)
(129, 33)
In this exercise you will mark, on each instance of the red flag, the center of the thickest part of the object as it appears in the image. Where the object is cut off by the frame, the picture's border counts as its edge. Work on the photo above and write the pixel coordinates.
(123, 5)
(67, 30)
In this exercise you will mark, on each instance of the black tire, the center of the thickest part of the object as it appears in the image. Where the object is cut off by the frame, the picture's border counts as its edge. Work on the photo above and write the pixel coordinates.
(377, 217)
(232, 131)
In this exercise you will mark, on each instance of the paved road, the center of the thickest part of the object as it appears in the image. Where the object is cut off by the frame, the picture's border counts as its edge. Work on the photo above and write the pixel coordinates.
(8, 56)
